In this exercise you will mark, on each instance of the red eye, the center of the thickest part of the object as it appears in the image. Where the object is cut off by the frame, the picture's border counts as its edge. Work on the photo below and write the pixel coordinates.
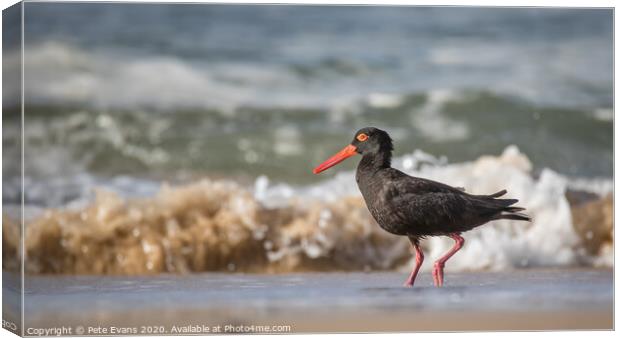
(362, 137)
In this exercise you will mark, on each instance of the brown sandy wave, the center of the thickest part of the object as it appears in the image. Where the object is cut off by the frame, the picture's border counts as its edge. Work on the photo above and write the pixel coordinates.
(593, 221)
(204, 226)
(217, 225)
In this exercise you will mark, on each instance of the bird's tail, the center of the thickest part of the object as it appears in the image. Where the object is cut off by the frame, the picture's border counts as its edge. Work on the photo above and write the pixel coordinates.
(506, 211)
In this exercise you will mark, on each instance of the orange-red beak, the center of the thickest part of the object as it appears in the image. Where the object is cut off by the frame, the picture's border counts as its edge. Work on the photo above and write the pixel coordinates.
(345, 153)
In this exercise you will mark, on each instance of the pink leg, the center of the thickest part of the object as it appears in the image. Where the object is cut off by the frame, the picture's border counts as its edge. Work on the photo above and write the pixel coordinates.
(419, 258)
(440, 263)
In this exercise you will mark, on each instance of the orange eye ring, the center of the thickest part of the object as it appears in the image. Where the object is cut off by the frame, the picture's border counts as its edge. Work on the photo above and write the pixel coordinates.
(362, 137)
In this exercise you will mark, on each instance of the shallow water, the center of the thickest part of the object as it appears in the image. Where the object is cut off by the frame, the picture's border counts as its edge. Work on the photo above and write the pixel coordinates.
(319, 302)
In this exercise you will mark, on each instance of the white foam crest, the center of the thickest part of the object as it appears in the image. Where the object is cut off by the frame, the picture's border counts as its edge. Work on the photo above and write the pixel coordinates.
(62, 73)
(549, 240)
(477, 63)
(58, 72)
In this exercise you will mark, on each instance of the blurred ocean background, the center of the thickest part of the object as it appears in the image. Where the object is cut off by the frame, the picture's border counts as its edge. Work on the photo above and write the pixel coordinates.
(245, 100)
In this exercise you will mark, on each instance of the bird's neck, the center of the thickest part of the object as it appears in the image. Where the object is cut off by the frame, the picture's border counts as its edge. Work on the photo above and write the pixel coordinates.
(376, 161)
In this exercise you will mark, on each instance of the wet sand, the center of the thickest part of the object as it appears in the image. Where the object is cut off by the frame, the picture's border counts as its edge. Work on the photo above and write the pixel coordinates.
(325, 302)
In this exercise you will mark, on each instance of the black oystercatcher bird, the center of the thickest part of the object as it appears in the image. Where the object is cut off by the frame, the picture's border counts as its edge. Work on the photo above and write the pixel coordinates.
(416, 207)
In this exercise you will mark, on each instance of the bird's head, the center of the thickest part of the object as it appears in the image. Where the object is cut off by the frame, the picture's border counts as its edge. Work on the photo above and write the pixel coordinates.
(367, 141)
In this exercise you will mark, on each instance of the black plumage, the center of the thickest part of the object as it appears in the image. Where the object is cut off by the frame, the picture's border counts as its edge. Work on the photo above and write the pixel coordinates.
(417, 207)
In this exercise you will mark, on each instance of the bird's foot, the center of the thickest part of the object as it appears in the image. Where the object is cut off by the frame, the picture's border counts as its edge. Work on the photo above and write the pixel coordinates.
(411, 279)
(437, 278)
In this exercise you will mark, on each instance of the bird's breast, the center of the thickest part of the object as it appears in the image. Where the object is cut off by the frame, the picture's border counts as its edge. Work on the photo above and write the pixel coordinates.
(376, 197)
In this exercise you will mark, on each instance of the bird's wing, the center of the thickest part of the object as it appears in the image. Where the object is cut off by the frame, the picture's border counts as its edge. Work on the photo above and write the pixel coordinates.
(434, 207)
(434, 210)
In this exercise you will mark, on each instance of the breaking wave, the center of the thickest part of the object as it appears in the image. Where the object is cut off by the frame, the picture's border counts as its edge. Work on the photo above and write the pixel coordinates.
(221, 225)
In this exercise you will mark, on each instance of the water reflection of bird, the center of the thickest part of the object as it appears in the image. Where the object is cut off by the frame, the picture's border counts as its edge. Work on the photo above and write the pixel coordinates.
(416, 207)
